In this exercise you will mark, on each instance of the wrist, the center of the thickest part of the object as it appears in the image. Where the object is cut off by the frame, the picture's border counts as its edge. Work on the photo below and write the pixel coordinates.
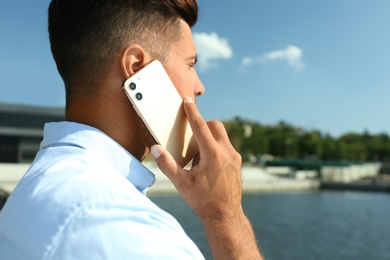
(225, 216)
(233, 235)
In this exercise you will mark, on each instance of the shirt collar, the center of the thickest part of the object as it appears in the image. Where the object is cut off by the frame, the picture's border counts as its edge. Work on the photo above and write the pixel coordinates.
(89, 138)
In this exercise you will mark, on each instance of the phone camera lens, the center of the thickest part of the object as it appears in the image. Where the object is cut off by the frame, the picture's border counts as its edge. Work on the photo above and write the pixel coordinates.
(138, 96)
(132, 86)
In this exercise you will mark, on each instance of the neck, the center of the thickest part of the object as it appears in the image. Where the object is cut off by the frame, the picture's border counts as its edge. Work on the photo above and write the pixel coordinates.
(113, 115)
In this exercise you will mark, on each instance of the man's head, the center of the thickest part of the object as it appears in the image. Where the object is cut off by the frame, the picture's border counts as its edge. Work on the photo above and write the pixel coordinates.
(87, 36)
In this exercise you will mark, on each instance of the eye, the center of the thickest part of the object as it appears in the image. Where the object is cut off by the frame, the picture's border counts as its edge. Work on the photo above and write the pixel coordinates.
(194, 61)
(192, 64)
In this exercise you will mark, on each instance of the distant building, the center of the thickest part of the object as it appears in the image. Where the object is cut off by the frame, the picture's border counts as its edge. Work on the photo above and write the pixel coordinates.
(21, 130)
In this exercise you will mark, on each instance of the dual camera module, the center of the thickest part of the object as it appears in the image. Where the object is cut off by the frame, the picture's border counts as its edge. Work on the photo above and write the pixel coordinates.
(133, 86)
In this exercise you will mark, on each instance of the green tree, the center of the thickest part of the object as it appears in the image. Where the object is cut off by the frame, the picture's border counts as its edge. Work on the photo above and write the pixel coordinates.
(288, 141)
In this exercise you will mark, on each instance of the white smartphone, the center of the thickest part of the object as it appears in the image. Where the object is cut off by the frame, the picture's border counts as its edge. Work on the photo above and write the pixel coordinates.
(159, 105)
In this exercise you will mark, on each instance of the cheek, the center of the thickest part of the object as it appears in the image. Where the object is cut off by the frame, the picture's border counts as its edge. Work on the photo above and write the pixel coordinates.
(183, 85)
(182, 78)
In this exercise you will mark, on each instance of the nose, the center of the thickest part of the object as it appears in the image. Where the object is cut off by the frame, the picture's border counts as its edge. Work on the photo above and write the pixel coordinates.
(199, 88)
(200, 93)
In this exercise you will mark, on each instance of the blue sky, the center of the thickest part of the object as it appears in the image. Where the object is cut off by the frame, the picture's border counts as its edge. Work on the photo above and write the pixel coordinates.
(316, 64)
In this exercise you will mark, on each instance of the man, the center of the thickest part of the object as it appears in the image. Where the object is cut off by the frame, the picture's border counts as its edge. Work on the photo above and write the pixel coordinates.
(84, 195)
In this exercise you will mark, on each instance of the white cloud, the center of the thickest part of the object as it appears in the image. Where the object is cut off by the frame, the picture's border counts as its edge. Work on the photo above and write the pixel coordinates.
(210, 49)
(247, 61)
(292, 54)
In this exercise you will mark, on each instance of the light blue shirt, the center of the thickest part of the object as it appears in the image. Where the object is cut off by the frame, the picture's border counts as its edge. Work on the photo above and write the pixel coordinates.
(84, 198)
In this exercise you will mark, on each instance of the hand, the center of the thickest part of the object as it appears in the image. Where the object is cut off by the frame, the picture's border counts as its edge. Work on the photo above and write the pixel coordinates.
(212, 187)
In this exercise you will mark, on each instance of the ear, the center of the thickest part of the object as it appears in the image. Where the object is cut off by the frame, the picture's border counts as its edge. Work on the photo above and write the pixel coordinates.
(134, 58)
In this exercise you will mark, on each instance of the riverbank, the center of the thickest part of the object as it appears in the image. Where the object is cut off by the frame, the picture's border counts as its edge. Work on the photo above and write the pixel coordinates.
(379, 183)
(255, 179)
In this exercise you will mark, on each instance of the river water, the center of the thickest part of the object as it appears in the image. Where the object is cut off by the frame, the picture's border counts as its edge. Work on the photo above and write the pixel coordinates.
(305, 225)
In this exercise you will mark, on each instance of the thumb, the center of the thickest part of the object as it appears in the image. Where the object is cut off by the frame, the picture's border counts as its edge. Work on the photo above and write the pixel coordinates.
(165, 161)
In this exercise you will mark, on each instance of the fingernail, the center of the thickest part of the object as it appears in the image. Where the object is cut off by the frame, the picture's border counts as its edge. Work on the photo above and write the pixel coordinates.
(155, 150)
(188, 99)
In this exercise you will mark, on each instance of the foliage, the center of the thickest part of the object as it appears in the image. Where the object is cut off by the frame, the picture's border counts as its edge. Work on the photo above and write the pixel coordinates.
(253, 140)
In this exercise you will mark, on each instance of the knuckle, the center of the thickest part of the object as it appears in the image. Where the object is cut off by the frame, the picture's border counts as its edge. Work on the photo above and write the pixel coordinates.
(215, 124)
(217, 128)
(237, 157)
(219, 124)
(199, 122)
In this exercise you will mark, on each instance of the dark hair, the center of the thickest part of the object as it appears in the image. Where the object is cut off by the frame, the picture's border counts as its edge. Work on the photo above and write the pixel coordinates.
(86, 35)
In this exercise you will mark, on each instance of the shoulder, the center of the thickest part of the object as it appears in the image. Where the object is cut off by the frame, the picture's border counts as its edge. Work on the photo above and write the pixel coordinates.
(97, 209)
(119, 225)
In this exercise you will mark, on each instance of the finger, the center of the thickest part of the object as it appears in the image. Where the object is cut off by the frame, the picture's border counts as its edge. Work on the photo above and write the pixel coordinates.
(165, 162)
(199, 127)
(218, 131)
